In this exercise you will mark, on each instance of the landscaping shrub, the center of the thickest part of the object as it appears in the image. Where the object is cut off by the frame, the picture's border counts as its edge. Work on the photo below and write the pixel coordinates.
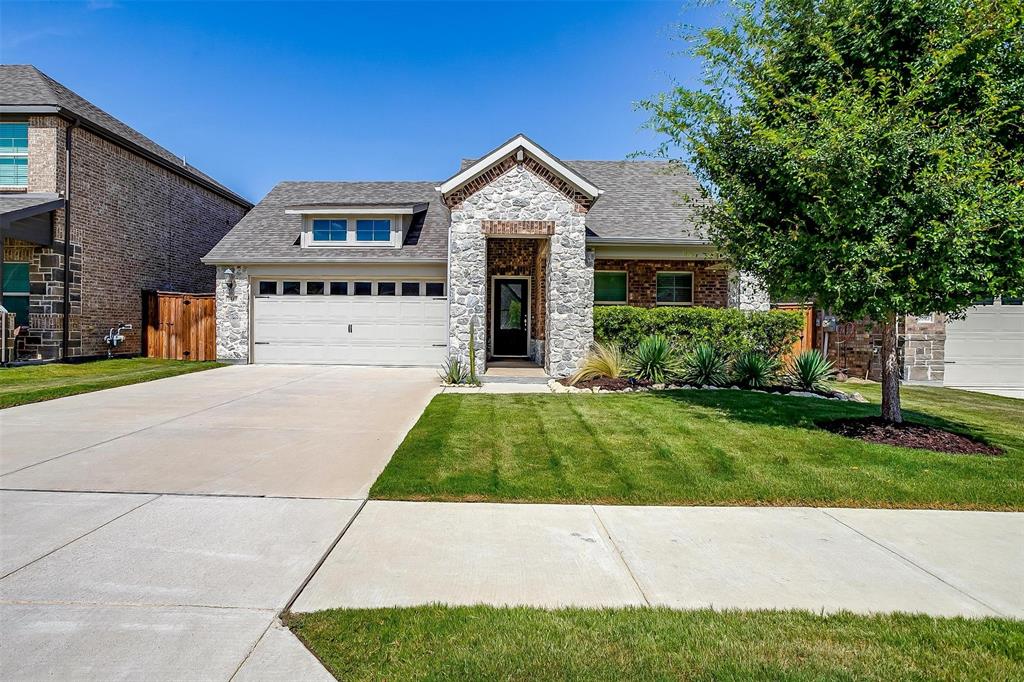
(705, 365)
(603, 360)
(730, 330)
(654, 359)
(810, 370)
(453, 371)
(752, 369)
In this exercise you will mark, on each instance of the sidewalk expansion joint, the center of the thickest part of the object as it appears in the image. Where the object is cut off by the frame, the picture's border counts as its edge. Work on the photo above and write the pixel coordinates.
(619, 554)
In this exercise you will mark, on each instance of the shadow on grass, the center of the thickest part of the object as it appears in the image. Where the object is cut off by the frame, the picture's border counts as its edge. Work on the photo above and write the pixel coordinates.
(782, 410)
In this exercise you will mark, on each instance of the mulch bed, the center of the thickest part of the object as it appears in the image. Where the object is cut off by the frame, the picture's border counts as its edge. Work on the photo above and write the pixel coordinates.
(606, 384)
(909, 435)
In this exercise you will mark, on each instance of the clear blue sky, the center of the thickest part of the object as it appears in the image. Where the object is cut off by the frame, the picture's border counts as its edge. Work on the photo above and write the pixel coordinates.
(256, 93)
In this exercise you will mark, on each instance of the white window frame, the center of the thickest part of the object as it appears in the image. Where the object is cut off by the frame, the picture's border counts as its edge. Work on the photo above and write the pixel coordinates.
(693, 286)
(352, 220)
(624, 301)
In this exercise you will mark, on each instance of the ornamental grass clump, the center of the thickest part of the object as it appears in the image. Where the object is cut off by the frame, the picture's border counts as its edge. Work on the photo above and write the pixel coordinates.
(705, 365)
(605, 360)
(654, 359)
(755, 370)
(809, 371)
(453, 372)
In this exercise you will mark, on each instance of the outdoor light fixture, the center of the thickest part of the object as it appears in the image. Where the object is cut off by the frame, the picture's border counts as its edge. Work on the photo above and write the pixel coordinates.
(229, 279)
(520, 156)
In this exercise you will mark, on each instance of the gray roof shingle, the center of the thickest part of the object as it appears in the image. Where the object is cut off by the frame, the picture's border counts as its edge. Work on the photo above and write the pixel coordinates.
(268, 233)
(642, 200)
(25, 85)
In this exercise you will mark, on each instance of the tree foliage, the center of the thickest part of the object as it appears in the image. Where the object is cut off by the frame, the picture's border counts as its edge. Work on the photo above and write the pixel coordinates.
(866, 154)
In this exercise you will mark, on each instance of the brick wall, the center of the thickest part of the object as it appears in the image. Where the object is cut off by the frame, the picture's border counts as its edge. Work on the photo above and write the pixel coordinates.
(135, 226)
(710, 280)
(855, 348)
(519, 257)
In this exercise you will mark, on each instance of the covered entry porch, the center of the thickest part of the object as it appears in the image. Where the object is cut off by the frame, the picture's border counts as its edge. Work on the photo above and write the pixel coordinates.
(516, 300)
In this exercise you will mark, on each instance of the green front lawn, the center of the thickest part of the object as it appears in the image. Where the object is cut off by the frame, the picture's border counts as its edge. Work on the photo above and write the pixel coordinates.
(702, 447)
(485, 643)
(33, 383)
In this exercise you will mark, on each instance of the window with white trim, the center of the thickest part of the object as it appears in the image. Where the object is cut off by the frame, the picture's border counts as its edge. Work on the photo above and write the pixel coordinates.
(674, 288)
(330, 230)
(378, 230)
(610, 287)
(13, 154)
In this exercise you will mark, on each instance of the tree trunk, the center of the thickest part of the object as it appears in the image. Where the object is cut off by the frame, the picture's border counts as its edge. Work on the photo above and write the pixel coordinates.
(891, 411)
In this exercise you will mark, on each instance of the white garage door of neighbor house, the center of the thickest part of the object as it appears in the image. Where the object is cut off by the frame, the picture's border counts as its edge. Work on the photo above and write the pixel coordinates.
(985, 350)
(349, 330)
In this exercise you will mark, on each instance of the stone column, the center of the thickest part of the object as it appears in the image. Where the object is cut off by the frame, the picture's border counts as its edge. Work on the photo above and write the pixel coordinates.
(746, 292)
(467, 287)
(233, 316)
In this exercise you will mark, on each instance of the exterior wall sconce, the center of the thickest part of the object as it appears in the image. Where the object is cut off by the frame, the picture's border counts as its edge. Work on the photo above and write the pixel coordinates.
(229, 280)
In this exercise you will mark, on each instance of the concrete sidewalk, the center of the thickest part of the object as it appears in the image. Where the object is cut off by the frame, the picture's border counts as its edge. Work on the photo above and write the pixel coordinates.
(863, 560)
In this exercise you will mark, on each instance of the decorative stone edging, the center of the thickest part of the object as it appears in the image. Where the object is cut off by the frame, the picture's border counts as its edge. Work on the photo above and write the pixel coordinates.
(558, 387)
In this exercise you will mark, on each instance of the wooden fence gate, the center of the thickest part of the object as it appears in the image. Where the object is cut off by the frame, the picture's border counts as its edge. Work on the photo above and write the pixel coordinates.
(179, 326)
(806, 340)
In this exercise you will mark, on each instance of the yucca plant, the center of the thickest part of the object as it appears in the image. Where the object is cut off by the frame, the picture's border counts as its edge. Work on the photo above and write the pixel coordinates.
(810, 370)
(755, 370)
(705, 365)
(603, 360)
(654, 359)
(453, 371)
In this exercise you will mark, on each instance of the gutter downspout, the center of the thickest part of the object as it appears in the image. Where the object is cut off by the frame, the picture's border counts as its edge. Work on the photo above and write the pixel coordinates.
(66, 331)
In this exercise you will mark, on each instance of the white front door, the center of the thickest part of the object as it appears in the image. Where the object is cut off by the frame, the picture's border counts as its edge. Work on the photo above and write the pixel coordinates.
(350, 330)
(985, 350)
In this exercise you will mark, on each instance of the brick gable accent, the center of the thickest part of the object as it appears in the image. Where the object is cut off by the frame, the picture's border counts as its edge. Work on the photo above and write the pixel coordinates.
(710, 281)
(456, 197)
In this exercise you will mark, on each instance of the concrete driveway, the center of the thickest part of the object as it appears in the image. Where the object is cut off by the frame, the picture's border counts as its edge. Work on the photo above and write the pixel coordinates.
(211, 499)
(274, 431)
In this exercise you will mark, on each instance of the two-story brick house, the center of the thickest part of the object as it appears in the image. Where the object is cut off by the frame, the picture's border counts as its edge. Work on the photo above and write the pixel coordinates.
(139, 217)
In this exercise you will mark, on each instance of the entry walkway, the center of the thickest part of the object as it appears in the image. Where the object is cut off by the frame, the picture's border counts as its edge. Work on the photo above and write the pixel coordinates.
(864, 560)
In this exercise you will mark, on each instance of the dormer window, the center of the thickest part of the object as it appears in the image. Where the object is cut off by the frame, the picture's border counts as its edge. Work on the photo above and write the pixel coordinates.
(373, 230)
(330, 230)
(355, 226)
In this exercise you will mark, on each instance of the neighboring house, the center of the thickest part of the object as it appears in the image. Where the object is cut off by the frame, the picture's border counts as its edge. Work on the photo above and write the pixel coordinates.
(140, 218)
(984, 351)
(518, 246)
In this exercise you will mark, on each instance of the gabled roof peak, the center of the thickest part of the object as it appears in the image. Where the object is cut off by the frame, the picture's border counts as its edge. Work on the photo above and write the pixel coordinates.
(520, 145)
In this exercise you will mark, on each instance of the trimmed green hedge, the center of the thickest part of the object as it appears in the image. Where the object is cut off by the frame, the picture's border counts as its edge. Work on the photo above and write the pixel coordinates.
(728, 329)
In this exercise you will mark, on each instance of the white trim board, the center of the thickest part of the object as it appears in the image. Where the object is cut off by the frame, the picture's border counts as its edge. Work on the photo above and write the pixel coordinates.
(536, 151)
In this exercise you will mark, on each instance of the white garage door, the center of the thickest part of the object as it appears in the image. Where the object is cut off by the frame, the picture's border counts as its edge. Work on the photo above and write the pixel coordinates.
(348, 329)
(985, 350)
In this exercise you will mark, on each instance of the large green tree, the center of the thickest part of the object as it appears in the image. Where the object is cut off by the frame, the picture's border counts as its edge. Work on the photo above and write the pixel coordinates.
(866, 154)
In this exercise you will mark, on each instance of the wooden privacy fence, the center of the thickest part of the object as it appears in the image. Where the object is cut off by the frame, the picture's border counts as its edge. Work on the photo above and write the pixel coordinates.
(179, 326)
(806, 340)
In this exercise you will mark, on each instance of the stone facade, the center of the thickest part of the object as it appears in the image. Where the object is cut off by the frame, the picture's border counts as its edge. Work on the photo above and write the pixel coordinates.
(710, 280)
(746, 292)
(924, 348)
(135, 226)
(519, 192)
(233, 316)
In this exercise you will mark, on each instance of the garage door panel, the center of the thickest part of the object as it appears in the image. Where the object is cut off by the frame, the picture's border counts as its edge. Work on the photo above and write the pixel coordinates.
(370, 330)
(985, 351)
